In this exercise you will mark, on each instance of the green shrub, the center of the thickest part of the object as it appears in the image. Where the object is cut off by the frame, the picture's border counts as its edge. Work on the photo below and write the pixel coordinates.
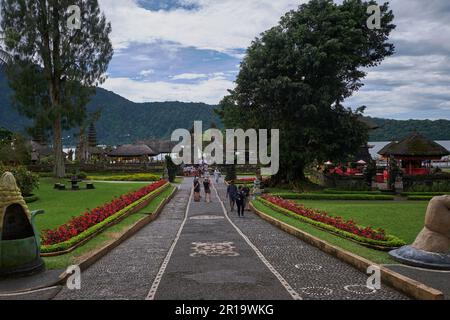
(437, 186)
(406, 194)
(26, 180)
(322, 196)
(172, 169)
(128, 177)
(335, 191)
(420, 198)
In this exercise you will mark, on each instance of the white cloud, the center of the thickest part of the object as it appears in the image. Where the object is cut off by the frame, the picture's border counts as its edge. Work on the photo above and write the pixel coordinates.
(189, 76)
(219, 25)
(209, 91)
(146, 73)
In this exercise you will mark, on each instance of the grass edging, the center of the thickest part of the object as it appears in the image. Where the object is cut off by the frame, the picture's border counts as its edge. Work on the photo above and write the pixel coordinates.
(329, 196)
(394, 242)
(77, 241)
(399, 282)
(97, 254)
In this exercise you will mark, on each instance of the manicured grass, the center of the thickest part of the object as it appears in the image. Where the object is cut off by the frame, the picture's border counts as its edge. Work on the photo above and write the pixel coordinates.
(327, 196)
(60, 206)
(402, 219)
(114, 232)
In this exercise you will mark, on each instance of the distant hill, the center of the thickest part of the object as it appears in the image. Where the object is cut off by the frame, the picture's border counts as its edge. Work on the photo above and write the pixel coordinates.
(390, 130)
(123, 121)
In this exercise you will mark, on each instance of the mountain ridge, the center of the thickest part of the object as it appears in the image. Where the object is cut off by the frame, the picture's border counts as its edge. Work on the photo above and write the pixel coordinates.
(124, 121)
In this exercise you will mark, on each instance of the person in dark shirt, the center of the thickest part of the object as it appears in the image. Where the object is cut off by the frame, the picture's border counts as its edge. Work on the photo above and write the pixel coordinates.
(246, 191)
(196, 189)
(207, 187)
(240, 202)
(231, 194)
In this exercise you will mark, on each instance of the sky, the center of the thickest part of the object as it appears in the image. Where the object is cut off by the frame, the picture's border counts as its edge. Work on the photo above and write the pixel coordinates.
(190, 50)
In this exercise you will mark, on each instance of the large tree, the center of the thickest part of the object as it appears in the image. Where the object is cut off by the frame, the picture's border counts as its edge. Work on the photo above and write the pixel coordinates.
(55, 68)
(296, 76)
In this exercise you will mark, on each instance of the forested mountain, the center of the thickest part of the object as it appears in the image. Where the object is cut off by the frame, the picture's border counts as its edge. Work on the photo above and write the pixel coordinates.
(123, 121)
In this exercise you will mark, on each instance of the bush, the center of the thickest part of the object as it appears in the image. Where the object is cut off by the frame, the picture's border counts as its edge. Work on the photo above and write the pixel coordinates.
(420, 198)
(323, 196)
(230, 172)
(26, 180)
(128, 177)
(334, 191)
(172, 169)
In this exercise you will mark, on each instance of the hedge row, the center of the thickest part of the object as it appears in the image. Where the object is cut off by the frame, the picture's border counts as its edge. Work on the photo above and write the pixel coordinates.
(334, 191)
(420, 198)
(323, 196)
(128, 177)
(92, 230)
(392, 242)
(434, 194)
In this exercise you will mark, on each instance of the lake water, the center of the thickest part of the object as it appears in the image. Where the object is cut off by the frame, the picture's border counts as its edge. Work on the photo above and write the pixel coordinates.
(380, 145)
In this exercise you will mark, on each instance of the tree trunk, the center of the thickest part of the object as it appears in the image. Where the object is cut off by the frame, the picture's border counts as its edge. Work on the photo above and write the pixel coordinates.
(59, 170)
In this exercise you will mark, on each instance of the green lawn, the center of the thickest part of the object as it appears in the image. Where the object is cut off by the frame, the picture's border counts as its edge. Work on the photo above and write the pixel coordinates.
(74, 257)
(60, 206)
(403, 219)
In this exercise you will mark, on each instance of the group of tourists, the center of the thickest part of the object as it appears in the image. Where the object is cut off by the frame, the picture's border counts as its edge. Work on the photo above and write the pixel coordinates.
(203, 178)
(239, 197)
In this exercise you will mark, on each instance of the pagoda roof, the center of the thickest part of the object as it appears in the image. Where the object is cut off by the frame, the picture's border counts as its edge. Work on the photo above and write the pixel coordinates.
(415, 145)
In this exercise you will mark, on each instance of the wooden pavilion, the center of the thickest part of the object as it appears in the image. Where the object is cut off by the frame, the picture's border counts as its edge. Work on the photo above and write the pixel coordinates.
(414, 154)
(132, 153)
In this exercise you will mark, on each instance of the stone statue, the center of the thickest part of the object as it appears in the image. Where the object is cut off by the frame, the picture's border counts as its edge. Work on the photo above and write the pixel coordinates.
(435, 236)
(431, 249)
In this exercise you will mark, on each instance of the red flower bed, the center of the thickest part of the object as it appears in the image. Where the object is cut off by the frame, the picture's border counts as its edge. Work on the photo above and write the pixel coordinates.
(323, 217)
(90, 218)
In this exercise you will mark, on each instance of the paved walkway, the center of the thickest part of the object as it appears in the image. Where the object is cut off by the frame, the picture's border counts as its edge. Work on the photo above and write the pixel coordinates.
(197, 251)
(127, 272)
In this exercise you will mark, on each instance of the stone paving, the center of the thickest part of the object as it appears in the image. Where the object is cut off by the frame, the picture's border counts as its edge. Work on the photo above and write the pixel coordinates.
(211, 259)
(127, 272)
(311, 272)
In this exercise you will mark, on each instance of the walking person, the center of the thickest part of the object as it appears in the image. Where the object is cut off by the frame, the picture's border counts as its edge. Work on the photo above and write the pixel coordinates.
(246, 192)
(240, 202)
(216, 175)
(232, 192)
(207, 187)
(196, 189)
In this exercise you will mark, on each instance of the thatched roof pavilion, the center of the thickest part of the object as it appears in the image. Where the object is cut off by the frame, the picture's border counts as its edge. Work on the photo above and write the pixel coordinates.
(159, 146)
(413, 151)
(136, 153)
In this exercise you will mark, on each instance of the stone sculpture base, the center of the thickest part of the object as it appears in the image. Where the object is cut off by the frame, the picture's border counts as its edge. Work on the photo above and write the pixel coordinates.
(419, 258)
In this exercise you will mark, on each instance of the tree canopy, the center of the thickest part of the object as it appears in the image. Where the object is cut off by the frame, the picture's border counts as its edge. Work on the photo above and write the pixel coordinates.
(54, 69)
(296, 76)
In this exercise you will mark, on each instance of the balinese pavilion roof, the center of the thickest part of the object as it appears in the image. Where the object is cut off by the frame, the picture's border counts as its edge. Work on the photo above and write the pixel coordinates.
(132, 150)
(158, 145)
(415, 145)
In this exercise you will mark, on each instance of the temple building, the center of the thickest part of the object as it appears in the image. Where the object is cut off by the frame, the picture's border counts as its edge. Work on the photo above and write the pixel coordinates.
(132, 153)
(414, 154)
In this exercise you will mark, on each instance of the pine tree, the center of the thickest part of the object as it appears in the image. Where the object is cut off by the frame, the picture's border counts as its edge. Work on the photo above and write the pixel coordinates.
(54, 69)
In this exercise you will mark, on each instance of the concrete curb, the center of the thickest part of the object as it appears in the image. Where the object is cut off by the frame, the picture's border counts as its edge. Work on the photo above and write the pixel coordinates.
(395, 280)
(101, 252)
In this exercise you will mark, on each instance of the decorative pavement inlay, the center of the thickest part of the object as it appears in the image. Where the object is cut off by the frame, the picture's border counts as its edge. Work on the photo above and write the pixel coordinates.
(360, 289)
(317, 291)
(207, 217)
(213, 249)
